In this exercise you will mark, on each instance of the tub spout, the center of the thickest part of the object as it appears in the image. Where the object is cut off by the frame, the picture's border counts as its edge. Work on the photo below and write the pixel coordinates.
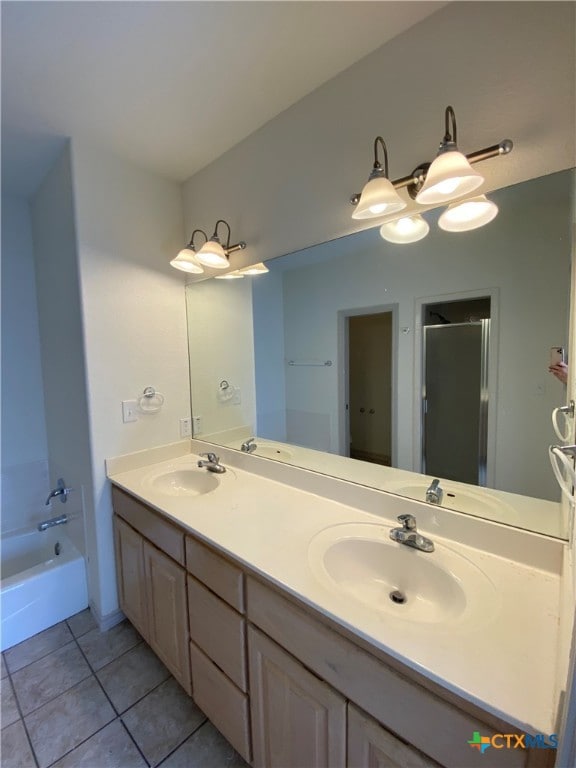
(45, 524)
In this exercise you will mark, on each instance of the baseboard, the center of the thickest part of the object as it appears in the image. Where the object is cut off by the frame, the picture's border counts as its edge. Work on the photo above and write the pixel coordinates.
(107, 621)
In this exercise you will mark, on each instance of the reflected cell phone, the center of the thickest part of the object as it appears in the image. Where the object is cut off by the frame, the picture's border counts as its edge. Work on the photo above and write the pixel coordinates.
(557, 355)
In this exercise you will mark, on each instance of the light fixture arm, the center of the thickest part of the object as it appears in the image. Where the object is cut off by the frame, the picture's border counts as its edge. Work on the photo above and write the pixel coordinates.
(228, 248)
(449, 117)
(377, 164)
(415, 180)
(191, 243)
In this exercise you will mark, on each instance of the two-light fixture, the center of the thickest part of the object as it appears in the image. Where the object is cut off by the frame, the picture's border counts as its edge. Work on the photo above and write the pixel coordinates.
(212, 253)
(448, 177)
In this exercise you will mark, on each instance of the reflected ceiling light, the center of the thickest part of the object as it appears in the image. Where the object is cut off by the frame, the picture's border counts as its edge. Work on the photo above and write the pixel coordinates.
(378, 198)
(450, 175)
(230, 276)
(255, 269)
(408, 229)
(214, 254)
(187, 260)
(468, 214)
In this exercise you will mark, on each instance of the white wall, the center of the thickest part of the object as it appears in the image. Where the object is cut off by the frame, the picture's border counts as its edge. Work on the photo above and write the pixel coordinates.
(25, 482)
(221, 340)
(129, 225)
(62, 346)
(508, 70)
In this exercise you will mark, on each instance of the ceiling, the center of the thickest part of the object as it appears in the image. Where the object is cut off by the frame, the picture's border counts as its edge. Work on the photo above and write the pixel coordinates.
(170, 85)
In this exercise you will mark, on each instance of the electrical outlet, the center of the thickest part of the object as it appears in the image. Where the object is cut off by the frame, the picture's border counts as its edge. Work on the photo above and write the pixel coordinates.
(185, 428)
(129, 410)
(197, 425)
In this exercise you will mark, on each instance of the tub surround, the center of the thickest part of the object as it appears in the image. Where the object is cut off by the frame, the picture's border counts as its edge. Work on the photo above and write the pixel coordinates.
(505, 662)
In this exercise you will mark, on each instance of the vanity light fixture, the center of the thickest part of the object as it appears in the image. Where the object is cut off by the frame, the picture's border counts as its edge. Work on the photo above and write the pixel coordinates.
(408, 229)
(230, 276)
(187, 260)
(214, 254)
(468, 214)
(378, 198)
(255, 269)
(450, 174)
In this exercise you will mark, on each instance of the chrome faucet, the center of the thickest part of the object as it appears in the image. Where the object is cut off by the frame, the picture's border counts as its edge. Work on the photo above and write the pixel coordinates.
(434, 493)
(249, 446)
(212, 463)
(45, 524)
(60, 490)
(409, 536)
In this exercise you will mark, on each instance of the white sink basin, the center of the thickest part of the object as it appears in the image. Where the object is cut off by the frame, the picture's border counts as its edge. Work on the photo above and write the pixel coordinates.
(183, 481)
(478, 503)
(360, 561)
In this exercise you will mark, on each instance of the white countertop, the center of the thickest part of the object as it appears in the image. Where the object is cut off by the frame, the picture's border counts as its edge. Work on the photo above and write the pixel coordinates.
(505, 662)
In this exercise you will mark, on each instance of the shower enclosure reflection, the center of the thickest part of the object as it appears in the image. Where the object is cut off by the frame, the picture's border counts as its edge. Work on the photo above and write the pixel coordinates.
(282, 341)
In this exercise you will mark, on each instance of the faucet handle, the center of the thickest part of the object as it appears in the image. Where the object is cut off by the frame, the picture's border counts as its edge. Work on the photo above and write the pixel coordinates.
(408, 522)
(211, 457)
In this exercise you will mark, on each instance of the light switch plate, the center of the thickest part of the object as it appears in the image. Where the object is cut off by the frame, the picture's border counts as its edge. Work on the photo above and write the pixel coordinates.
(129, 410)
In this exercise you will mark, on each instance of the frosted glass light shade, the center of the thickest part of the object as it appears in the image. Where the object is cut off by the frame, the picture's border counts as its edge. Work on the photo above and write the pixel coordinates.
(230, 276)
(213, 255)
(408, 229)
(449, 176)
(467, 215)
(186, 261)
(255, 269)
(378, 198)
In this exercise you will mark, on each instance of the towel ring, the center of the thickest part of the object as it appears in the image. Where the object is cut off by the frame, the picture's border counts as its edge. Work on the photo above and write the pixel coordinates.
(150, 401)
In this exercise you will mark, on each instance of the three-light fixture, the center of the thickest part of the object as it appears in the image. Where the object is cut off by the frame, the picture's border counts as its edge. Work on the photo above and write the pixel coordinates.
(212, 253)
(448, 177)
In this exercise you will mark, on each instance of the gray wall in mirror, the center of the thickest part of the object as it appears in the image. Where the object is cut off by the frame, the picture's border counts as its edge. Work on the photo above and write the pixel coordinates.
(296, 314)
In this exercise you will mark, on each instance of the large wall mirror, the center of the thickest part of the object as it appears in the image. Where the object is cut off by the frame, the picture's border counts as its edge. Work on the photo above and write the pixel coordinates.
(395, 365)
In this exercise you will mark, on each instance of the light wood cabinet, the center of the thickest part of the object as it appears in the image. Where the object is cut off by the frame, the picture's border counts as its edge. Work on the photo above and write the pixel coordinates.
(297, 720)
(130, 572)
(167, 618)
(372, 746)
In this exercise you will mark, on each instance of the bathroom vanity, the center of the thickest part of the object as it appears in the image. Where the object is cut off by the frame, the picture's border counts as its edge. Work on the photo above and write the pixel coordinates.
(247, 589)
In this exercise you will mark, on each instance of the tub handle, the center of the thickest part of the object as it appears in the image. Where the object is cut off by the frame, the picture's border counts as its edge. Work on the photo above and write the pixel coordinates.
(60, 490)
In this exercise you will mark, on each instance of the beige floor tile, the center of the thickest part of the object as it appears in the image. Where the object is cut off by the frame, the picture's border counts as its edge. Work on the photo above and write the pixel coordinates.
(111, 747)
(35, 647)
(50, 676)
(206, 748)
(132, 676)
(9, 712)
(68, 720)
(4, 669)
(16, 751)
(81, 622)
(103, 647)
(162, 720)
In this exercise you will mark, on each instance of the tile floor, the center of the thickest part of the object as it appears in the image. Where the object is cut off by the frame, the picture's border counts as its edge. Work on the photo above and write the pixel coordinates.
(73, 697)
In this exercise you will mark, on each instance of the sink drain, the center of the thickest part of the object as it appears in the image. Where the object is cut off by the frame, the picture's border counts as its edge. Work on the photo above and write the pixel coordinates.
(398, 597)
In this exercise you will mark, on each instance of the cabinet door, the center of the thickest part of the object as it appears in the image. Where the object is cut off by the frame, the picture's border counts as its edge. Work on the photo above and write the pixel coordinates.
(167, 613)
(131, 579)
(297, 720)
(372, 746)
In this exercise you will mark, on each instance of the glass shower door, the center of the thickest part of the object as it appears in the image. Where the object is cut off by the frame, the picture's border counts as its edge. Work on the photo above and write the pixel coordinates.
(455, 401)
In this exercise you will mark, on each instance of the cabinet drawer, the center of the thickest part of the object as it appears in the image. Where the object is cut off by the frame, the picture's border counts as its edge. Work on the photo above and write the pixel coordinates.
(420, 717)
(222, 577)
(221, 701)
(164, 535)
(218, 630)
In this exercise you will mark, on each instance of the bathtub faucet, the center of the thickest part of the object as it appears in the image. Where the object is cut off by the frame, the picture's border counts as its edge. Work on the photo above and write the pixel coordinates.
(45, 524)
(60, 490)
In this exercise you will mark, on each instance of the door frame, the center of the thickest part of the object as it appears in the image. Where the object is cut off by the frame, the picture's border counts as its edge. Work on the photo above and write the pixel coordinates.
(492, 383)
(344, 379)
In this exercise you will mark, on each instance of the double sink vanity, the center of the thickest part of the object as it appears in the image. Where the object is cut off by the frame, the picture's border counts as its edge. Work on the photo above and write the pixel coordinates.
(280, 602)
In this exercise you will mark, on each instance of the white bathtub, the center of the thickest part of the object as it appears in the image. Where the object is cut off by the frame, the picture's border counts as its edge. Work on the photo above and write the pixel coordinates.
(43, 582)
